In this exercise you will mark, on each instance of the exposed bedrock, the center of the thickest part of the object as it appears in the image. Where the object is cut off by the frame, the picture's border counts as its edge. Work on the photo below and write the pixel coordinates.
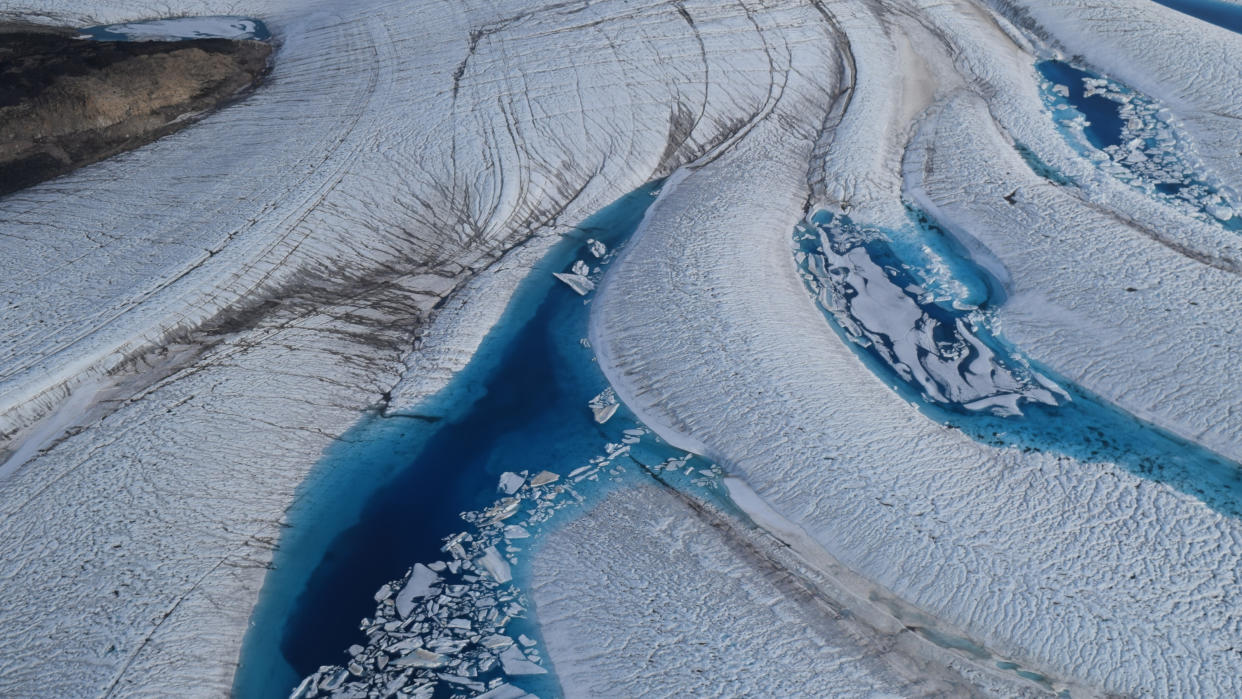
(236, 317)
(66, 102)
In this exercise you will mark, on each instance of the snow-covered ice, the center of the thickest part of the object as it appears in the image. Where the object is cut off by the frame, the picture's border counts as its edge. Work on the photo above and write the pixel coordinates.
(180, 342)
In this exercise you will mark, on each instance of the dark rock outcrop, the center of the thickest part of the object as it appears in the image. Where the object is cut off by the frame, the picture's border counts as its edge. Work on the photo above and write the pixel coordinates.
(68, 102)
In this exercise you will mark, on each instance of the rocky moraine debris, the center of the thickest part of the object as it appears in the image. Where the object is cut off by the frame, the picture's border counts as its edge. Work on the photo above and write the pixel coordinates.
(66, 102)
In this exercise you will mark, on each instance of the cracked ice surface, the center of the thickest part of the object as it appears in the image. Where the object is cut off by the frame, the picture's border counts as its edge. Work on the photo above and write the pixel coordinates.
(274, 293)
(644, 629)
(1082, 570)
(400, 148)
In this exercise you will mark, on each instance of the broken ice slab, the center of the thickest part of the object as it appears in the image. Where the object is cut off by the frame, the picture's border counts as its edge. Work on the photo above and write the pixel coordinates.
(604, 413)
(496, 565)
(403, 646)
(510, 482)
(543, 478)
(420, 585)
(597, 248)
(463, 681)
(335, 680)
(577, 282)
(420, 658)
(503, 509)
(384, 593)
(505, 691)
(514, 662)
(496, 641)
(516, 531)
(526, 640)
(305, 688)
(581, 269)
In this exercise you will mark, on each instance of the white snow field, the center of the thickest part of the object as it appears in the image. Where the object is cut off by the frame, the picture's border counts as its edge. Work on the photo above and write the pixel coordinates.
(188, 326)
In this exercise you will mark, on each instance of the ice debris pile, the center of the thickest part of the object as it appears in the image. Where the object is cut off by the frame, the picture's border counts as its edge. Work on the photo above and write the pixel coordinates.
(579, 276)
(455, 627)
(1151, 152)
(942, 348)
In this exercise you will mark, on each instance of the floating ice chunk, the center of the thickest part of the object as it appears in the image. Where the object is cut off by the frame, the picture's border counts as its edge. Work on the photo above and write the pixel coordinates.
(403, 646)
(496, 565)
(543, 478)
(420, 585)
(304, 689)
(597, 248)
(515, 662)
(463, 681)
(604, 413)
(577, 282)
(516, 531)
(510, 482)
(604, 406)
(526, 640)
(503, 509)
(1220, 211)
(395, 684)
(496, 641)
(335, 680)
(383, 593)
(505, 691)
(581, 269)
(420, 658)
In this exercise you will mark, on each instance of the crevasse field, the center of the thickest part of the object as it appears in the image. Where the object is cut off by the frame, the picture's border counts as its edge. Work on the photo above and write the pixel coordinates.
(638, 348)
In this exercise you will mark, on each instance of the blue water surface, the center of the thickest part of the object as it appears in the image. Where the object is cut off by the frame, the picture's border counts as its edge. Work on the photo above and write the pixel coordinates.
(1083, 426)
(1128, 124)
(386, 494)
(1104, 121)
(1222, 13)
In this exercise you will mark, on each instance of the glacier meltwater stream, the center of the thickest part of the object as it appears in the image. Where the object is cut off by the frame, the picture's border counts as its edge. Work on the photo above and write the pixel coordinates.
(420, 487)
(920, 314)
(394, 488)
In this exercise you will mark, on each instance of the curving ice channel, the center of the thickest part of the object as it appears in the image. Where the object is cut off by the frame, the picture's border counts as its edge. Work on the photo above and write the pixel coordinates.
(1134, 139)
(462, 488)
(919, 312)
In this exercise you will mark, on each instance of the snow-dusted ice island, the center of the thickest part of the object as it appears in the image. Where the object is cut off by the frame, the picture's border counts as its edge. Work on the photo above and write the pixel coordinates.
(633, 348)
